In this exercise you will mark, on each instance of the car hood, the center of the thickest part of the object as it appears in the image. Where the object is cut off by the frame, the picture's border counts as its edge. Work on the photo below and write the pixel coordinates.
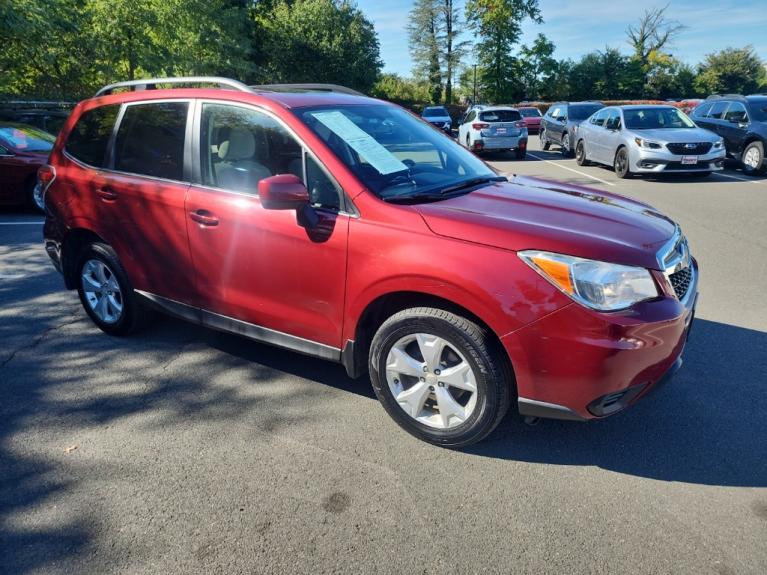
(529, 213)
(438, 119)
(676, 135)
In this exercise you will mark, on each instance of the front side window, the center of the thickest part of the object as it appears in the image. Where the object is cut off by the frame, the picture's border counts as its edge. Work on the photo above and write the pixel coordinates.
(395, 155)
(656, 118)
(716, 111)
(150, 140)
(736, 113)
(702, 110)
(599, 118)
(87, 142)
(613, 120)
(242, 146)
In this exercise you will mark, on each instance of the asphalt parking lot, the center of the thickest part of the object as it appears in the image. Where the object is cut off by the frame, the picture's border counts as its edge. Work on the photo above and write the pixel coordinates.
(183, 450)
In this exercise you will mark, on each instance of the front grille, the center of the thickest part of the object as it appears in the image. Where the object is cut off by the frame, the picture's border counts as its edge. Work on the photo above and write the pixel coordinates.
(697, 148)
(680, 281)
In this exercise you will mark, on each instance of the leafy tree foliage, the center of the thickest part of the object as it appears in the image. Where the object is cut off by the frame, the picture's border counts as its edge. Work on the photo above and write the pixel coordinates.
(498, 26)
(538, 66)
(423, 29)
(732, 70)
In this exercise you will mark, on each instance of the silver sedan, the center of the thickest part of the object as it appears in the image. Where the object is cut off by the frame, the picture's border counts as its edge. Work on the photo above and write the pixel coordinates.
(648, 140)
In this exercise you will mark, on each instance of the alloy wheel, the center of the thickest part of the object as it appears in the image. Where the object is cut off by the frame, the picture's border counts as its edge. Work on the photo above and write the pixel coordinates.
(566, 145)
(753, 158)
(102, 291)
(37, 197)
(431, 380)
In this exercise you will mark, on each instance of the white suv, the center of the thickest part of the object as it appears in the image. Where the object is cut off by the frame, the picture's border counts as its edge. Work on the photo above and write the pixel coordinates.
(494, 128)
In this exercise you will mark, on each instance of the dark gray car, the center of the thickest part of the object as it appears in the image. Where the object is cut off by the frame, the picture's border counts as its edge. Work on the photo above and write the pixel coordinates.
(560, 122)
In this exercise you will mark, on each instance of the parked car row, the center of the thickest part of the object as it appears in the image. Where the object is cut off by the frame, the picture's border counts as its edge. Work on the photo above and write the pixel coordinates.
(23, 149)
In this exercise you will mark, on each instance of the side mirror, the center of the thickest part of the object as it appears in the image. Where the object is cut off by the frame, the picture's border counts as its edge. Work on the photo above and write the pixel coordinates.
(283, 192)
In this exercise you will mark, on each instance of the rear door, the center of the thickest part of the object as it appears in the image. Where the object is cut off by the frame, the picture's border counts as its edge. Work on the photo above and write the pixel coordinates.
(734, 127)
(612, 136)
(594, 141)
(555, 127)
(141, 194)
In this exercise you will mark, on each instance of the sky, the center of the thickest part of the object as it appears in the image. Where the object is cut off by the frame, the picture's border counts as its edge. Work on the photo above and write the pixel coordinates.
(580, 26)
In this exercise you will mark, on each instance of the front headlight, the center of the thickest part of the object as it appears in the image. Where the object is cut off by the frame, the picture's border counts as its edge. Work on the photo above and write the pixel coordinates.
(647, 144)
(719, 144)
(599, 285)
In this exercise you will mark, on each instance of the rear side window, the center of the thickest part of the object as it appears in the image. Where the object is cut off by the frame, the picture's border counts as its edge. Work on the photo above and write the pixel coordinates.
(717, 110)
(88, 140)
(150, 140)
(500, 116)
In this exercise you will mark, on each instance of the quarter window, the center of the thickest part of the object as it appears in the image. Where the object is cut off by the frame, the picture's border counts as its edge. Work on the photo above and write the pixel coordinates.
(240, 147)
(88, 140)
(150, 140)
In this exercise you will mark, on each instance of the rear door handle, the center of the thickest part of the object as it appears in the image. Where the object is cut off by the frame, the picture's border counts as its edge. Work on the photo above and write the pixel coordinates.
(106, 194)
(204, 218)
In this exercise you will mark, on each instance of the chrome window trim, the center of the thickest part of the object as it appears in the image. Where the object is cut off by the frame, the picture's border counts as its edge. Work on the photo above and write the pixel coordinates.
(236, 326)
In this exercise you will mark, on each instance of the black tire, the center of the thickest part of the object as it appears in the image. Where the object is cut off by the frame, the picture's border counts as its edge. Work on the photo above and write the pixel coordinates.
(621, 164)
(32, 196)
(760, 167)
(134, 314)
(520, 153)
(493, 380)
(580, 154)
(545, 145)
(567, 151)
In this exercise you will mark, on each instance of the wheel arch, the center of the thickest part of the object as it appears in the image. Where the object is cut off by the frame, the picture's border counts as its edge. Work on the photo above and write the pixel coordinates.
(355, 353)
(75, 240)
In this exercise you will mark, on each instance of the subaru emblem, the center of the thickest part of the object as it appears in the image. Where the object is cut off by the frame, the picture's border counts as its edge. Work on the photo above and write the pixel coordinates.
(689, 146)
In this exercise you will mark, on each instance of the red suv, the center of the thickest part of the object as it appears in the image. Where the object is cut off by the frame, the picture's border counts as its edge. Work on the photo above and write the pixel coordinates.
(346, 228)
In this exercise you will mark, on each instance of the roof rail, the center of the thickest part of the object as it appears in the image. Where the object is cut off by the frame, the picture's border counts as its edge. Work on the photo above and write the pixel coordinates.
(728, 96)
(151, 83)
(306, 88)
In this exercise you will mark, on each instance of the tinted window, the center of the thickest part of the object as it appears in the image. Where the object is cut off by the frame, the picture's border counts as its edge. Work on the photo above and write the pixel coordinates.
(758, 108)
(150, 140)
(599, 118)
(26, 138)
(500, 116)
(736, 113)
(582, 111)
(530, 112)
(88, 140)
(435, 112)
(702, 110)
(717, 110)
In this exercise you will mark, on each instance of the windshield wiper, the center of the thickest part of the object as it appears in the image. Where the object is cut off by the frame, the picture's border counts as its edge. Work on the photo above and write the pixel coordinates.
(443, 193)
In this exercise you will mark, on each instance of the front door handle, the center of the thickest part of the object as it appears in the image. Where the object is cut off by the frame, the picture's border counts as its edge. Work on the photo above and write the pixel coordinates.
(204, 218)
(106, 194)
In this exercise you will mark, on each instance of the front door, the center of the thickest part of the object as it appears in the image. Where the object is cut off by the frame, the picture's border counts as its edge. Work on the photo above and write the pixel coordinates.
(280, 281)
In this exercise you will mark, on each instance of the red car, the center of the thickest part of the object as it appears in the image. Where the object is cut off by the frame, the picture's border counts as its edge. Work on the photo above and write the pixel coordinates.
(531, 116)
(23, 149)
(345, 228)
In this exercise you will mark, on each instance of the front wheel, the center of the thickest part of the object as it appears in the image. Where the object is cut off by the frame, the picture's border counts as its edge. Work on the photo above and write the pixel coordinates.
(106, 293)
(545, 145)
(753, 158)
(621, 164)
(566, 152)
(439, 376)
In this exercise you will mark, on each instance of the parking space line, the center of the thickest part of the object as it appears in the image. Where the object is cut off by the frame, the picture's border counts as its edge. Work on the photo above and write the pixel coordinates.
(737, 178)
(22, 223)
(571, 169)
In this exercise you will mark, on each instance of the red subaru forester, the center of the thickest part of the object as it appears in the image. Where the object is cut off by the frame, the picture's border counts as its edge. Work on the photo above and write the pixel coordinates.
(343, 227)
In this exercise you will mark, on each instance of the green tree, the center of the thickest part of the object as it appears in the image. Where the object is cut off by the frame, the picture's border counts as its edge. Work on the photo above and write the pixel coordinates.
(317, 41)
(452, 50)
(423, 30)
(498, 26)
(403, 91)
(732, 70)
(538, 66)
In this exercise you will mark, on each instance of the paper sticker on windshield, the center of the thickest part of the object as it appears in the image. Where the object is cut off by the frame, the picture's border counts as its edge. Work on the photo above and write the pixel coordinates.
(361, 142)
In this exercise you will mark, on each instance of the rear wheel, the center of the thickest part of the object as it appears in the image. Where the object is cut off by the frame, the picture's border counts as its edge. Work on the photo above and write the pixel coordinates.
(580, 154)
(753, 158)
(520, 153)
(545, 145)
(621, 163)
(106, 293)
(566, 151)
(439, 376)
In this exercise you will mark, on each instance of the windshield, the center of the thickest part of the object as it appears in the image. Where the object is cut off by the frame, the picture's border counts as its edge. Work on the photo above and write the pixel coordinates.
(581, 112)
(434, 112)
(500, 116)
(530, 112)
(24, 138)
(394, 154)
(654, 118)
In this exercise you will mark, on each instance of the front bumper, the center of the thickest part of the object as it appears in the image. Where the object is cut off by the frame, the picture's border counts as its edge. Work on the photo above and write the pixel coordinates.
(645, 161)
(579, 364)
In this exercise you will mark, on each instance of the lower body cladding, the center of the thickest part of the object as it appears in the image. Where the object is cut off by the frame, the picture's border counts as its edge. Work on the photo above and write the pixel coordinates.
(651, 162)
(579, 364)
(500, 142)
